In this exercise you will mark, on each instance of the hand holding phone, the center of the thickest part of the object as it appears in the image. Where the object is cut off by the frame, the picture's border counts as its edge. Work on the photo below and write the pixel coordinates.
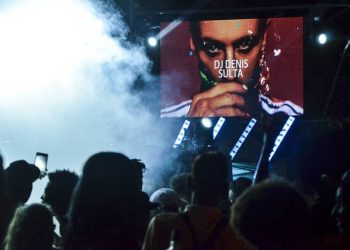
(41, 162)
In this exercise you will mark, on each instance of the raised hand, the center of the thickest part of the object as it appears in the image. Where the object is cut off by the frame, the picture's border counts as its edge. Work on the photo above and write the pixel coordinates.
(224, 99)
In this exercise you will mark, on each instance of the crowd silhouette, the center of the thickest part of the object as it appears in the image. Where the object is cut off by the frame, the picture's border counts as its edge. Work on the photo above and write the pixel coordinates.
(105, 207)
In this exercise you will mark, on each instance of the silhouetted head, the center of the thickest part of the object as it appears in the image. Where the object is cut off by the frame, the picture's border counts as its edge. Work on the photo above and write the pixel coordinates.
(109, 174)
(271, 215)
(59, 190)
(105, 207)
(342, 207)
(107, 178)
(19, 177)
(239, 185)
(31, 228)
(140, 167)
(179, 183)
(210, 177)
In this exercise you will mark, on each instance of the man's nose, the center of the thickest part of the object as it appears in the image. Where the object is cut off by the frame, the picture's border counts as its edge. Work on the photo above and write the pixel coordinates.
(229, 53)
(229, 56)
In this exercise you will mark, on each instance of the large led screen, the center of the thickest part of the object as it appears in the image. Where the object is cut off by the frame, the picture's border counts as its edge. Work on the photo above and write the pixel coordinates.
(232, 68)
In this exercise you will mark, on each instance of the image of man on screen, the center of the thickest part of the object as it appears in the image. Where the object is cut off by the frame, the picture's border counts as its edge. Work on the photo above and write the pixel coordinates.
(232, 70)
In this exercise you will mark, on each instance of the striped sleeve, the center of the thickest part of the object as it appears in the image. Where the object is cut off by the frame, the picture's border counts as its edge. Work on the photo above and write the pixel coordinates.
(177, 110)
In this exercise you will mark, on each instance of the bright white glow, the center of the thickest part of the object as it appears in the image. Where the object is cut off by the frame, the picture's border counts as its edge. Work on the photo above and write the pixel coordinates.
(281, 135)
(64, 85)
(322, 38)
(218, 127)
(277, 52)
(206, 122)
(242, 138)
(239, 171)
(152, 41)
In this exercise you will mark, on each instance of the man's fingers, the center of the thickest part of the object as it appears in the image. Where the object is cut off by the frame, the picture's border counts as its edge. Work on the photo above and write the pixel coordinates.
(226, 99)
(230, 111)
(226, 104)
(224, 111)
(221, 88)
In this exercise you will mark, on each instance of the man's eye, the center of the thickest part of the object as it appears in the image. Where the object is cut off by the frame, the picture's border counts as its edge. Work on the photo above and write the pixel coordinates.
(213, 49)
(210, 48)
(246, 44)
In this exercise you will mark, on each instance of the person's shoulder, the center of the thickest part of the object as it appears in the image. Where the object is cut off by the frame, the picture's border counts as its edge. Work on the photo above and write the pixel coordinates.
(233, 240)
(159, 231)
(165, 218)
(165, 222)
(273, 105)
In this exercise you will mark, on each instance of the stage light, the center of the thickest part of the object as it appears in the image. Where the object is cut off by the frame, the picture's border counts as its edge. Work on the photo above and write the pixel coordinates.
(218, 127)
(206, 122)
(281, 135)
(181, 134)
(152, 41)
(322, 38)
(242, 138)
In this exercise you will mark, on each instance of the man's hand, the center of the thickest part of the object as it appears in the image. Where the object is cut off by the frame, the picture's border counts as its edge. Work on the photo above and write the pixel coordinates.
(225, 99)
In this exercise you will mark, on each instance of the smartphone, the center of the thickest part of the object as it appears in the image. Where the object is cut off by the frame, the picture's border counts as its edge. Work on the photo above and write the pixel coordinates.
(41, 162)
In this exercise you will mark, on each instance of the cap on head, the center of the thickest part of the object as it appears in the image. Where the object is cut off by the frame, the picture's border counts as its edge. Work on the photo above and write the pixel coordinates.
(167, 197)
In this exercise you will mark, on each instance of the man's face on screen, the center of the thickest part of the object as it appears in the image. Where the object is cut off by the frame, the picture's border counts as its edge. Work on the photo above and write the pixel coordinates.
(229, 50)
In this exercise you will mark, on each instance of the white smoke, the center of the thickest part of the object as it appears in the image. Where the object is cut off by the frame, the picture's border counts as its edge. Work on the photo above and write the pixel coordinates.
(65, 84)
